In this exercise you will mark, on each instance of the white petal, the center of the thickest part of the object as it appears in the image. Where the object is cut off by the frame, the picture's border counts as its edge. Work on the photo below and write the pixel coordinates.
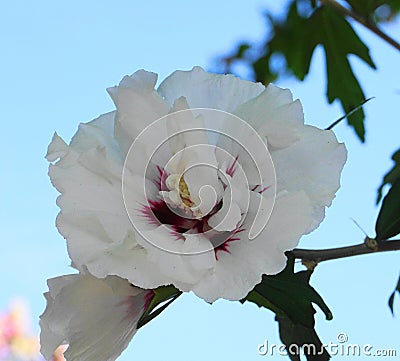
(261, 206)
(176, 124)
(251, 151)
(290, 218)
(188, 124)
(89, 171)
(90, 184)
(180, 261)
(94, 220)
(202, 180)
(90, 245)
(226, 219)
(56, 149)
(96, 317)
(240, 269)
(199, 253)
(274, 115)
(207, 90)
(312, 164)
(138, 105)
(98, 132)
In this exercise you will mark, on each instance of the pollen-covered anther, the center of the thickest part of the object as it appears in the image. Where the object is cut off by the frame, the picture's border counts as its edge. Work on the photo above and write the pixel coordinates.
(184, 193)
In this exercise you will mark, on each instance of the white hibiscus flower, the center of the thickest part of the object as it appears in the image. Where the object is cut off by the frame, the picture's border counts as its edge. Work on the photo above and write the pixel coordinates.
(202, 229)
(96, 318)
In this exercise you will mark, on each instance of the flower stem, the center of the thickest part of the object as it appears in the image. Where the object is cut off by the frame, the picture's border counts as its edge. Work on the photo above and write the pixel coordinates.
(370, 245)
(163, 297)
(365, 22)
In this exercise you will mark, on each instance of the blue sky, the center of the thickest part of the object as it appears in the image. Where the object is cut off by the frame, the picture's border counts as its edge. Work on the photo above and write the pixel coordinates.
(58, 59)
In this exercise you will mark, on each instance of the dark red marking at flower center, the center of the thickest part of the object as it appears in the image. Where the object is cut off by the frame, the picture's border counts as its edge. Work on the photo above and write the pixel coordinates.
(158, 212)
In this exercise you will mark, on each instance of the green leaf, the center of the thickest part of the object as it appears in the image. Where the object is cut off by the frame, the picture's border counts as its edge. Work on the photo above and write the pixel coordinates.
(263, 72)
(162, 298)
(392, 176)
(391, 298)
(241, 50)
(339, 41)
(296, 40)
(290, 296)
(388, 222)
(296, 35)
(299, 337)
(394, 6)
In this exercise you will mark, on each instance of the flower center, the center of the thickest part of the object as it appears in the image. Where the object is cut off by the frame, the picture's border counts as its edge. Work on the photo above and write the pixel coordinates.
(184, 192)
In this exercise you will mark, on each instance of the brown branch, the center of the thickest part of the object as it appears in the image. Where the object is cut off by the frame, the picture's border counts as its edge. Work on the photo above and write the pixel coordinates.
(368, 24)
(369, 246)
